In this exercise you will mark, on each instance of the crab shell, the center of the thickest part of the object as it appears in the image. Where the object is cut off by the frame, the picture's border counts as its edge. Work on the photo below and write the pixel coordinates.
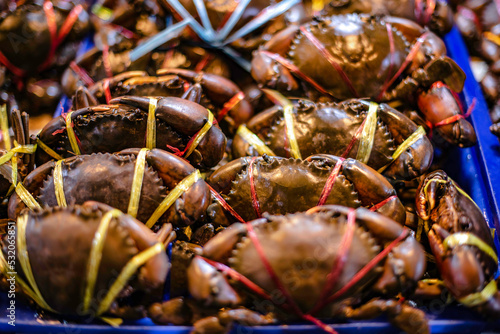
(210, 90)
(292, 185)
(107, 178)
(440, 21)
(301, 249)
(111, 128)
(25, 39)
(59, 240)
(330, 127)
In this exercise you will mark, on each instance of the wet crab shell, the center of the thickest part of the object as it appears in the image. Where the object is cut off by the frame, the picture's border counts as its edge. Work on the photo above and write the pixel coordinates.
(111, 128)
(292, 185)
(301, 248)
(330, 127)
(25, 39)
(360, 43)
(62, 239)
(107, 178)
(439, 21)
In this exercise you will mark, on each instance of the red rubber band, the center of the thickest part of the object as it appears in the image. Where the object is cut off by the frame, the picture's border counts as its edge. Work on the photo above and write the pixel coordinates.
(105, 61)
(107, 92)
(339, 261)
(238, 277)
(286, 63)
(82, 74)
(330, 182)
(225, 205)
(58, 37)
(391, 64)
(409, 58)
(353, 140)
(11, 67)
(230, 105)
(203, 62)
(253, 190)
(328, 56)
(384, 202)
(180, 153)
(369, 266)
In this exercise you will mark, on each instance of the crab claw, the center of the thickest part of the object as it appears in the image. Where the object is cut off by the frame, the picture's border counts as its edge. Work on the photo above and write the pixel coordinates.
(209, 285)
(83, 98)
(218, 89)
(442, 110)
(187, 118)
(459, 267)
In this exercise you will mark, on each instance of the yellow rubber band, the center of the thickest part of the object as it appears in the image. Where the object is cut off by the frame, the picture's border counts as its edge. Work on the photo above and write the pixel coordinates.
(412, 139)
(96, 255)
(492, 37)
(478, 298)
(151, 126)
(368, 134)
(7, 271)
(173, 195)
(287, 106)
(135, 193)
(59, 185)
(71, 134)
(130, 268)
(469, 239)
(253, 140)
(29, 149)
(290, 132)
(26, 197)
(48, 150)
(104, 13)
(199, 136)
(22, 253)
(4, 127)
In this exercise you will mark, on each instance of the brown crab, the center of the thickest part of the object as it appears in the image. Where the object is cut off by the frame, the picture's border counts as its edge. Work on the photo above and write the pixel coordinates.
(39, 34)
(330, 262)
(59, 241)
(461, 242)
(252, 186)
(108, 178)
(385, 59)
(111, 128)
(93, 66)
(214, 92)
(435, 14)
(331, 128)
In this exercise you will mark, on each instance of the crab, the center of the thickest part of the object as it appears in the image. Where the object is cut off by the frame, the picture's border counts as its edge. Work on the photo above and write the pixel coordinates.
(461, 242)
(331, 262)
(331, 128)
(96, 65)
(111, 128)
(214, 92)
(435, 14)
(39, 34)
(381, 58)
(95, 177)
(63, 239)
(252, 186)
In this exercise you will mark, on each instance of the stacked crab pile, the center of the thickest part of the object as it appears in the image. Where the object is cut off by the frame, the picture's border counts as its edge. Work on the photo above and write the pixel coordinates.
(478, 22)
(289, 151)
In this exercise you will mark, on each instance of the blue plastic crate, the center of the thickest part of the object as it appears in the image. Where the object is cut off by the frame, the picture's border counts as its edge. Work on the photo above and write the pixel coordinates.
(476, 170)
